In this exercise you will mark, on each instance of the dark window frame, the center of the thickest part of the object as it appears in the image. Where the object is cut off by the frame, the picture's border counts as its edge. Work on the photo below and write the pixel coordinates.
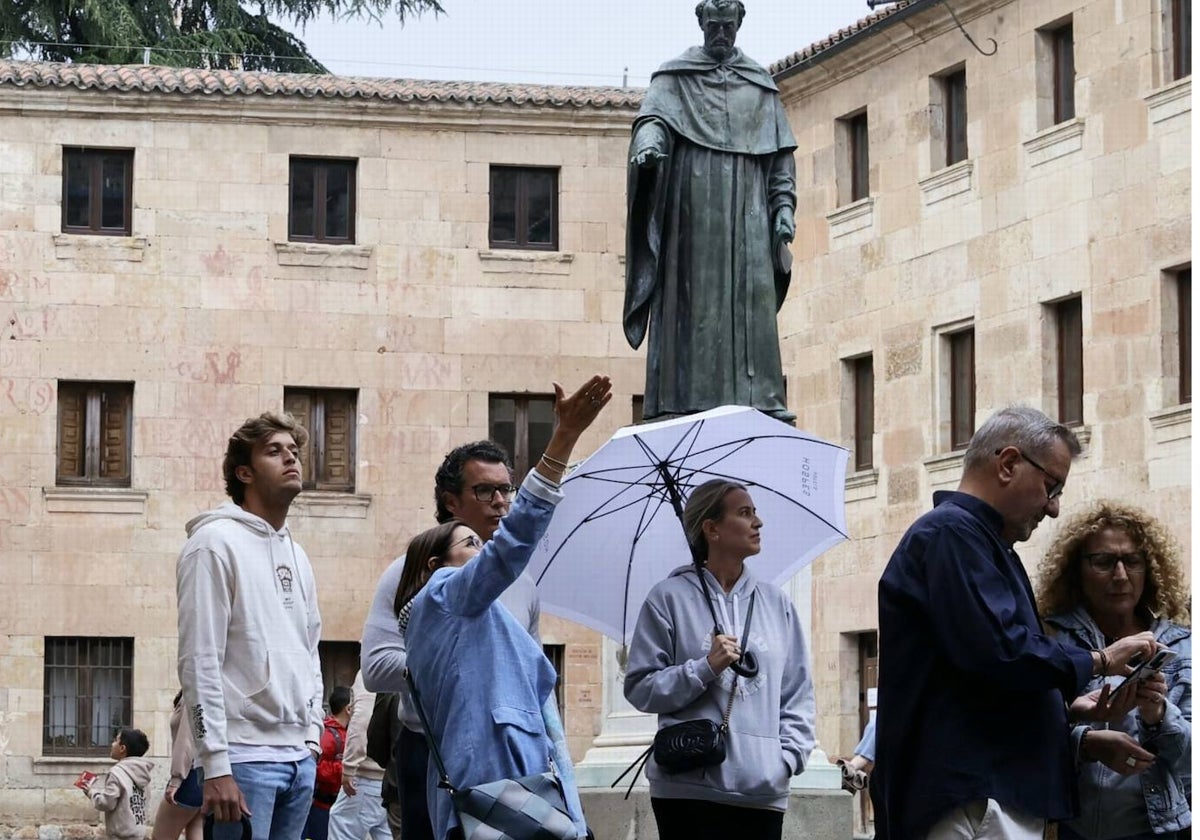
(95, 159)
(1068, 319)
(84, 739)
(962, 376)
(557, 654)
(863, 373)
(1181, 38)
(314, 453)
(1183, 292)
(858, 132)
(320, 187)
(95, 395)
(523, 460)
(954, 108)
(1062, 50)
(521, 211)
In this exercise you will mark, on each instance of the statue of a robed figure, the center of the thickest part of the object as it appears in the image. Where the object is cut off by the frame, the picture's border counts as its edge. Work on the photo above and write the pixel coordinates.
(711, 201)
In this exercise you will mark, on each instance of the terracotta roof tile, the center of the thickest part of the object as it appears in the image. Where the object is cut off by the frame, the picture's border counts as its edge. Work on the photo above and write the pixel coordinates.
(190, 81)
(845, 33)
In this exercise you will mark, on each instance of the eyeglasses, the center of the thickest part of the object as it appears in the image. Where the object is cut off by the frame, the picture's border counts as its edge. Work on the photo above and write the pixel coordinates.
(1054, 490)
(471, 540)
(1105, 562)
(485, 492)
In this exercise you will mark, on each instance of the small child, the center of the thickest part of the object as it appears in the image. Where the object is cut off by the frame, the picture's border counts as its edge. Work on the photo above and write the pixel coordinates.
(121, 793)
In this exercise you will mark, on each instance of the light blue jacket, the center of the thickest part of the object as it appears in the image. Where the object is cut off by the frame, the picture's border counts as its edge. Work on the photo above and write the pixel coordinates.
(486, 687)
(1166, 786)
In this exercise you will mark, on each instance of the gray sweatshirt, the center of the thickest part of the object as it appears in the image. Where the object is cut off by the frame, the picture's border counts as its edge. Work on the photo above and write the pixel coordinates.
(771, 725)
(121, 795)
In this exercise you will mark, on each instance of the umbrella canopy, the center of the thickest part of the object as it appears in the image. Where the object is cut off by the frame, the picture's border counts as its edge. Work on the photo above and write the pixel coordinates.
(616, 533)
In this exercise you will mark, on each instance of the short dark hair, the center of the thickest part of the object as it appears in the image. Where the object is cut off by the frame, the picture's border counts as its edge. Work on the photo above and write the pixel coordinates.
(339, 699)
(241, 445)
(705, 504)
(449, 477)
(134, 740)
(717, 5)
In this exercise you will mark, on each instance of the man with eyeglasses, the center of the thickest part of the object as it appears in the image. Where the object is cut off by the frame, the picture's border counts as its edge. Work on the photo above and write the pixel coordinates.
(473, 484)
(972, 739)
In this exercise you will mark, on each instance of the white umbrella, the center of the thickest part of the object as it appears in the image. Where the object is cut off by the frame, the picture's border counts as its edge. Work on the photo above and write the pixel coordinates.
(617, 532)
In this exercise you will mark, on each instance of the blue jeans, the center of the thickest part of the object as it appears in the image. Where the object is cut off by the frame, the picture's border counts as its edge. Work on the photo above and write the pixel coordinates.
(278, 795)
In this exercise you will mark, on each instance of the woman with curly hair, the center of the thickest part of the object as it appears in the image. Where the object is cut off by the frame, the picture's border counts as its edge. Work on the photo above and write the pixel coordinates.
(1114, 571)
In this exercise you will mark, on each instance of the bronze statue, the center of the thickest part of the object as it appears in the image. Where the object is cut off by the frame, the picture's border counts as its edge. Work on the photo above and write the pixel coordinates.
(711, 201)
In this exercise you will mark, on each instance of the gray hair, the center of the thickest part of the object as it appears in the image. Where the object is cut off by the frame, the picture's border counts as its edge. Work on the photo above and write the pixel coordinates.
(1021, 426)
(717, 5)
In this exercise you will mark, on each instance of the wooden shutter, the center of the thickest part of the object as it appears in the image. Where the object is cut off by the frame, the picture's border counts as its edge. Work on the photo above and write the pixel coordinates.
(300, 405)
(72, 417)
(338, 467)
(116, 415)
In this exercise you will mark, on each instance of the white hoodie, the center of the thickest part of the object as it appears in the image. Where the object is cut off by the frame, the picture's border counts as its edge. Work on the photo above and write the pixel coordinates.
(121, 795)
(248, 632)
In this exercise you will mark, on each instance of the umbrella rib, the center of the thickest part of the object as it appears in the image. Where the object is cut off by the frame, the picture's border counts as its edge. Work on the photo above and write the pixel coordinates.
(786, 498)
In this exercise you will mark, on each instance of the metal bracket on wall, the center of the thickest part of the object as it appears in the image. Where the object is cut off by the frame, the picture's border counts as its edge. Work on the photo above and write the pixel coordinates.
(873, 3)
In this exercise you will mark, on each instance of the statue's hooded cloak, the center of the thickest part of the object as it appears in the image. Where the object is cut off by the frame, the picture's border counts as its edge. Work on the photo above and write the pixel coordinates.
(702, 269)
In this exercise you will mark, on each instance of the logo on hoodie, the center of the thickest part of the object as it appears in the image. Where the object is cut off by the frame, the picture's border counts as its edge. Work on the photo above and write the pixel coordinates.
(137, 804)
(199, 730)
(286, 578)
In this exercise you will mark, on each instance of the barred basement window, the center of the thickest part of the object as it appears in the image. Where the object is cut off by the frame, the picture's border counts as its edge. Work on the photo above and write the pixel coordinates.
(87, 694)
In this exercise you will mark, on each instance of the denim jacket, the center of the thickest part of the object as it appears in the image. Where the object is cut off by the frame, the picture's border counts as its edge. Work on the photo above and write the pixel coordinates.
(1167, 784)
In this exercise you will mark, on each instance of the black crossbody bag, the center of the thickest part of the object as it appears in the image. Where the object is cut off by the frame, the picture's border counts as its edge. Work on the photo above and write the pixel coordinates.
(692, 744)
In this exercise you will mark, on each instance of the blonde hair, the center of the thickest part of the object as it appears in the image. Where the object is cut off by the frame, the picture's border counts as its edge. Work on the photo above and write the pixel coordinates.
(1165, 594)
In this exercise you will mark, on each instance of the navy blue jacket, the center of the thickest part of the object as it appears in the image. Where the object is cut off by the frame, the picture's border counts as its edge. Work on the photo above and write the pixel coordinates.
(971, 691)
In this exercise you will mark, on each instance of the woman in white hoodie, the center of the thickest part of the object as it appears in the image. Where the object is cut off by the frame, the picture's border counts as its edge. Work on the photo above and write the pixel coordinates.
(683, 668)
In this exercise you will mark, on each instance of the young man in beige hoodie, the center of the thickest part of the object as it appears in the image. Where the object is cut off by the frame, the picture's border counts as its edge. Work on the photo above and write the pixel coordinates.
(121, 793)
(248, 633)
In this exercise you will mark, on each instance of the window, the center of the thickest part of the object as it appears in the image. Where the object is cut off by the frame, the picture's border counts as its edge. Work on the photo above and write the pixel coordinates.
(864, 411)
(87, 694)
(339, 666)
(639, 408)
(522, 424)
(1068, 318)
(962, 387)
(95, 433)
(1063, 47)
(321, 200)
(524, 208)
(329, 415)
(1181, 38)
(951, 102)
(853, 158)
(557, 654)
(1183, 289)
(97, 191)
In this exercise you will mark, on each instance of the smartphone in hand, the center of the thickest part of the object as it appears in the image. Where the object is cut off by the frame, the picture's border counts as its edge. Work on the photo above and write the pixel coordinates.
(1145, 669)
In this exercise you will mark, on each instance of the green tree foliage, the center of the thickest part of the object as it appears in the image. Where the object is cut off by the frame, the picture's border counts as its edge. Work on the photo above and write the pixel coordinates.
(180, 33)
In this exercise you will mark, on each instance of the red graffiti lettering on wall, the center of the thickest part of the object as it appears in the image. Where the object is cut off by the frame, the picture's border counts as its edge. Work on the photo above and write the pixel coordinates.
(211, 371)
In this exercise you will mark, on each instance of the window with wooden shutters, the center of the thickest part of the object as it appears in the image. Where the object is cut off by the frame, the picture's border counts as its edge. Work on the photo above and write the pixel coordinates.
(962, 387)
(522, 424)
(864, 411)
(955, 99)
(1183, 291)
(329, 415)
(1181, 38)
(1068, 318)
(1063, 43)
(87, 693)
(95, 433)
(97, 191)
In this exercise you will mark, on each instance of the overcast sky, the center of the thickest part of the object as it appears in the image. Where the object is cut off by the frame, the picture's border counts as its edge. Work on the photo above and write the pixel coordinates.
(570, 42)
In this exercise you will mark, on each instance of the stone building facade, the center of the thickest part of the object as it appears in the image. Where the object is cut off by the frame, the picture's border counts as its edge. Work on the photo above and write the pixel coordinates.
(976, 231)
(194, 290)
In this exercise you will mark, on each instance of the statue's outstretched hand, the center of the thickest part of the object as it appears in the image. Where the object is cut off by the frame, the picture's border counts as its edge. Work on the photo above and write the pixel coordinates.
(785, 224)
(648, 158)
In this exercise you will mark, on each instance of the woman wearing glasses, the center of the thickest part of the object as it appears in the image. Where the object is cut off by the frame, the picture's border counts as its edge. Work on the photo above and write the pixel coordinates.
(485, 685)
(1112, 572)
